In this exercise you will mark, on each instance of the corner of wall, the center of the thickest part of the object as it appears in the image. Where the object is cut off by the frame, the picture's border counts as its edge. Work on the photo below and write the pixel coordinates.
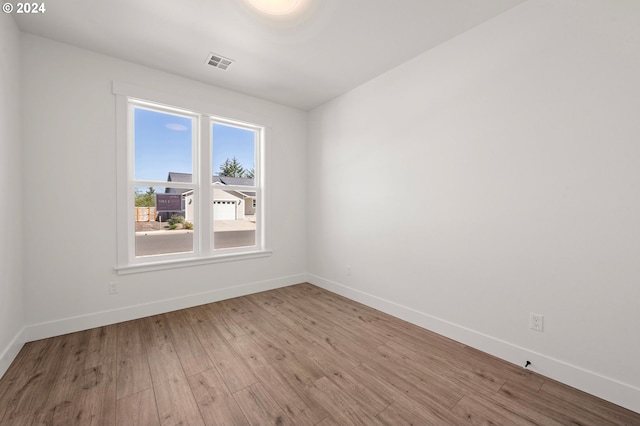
(11, 351)
(12, 333)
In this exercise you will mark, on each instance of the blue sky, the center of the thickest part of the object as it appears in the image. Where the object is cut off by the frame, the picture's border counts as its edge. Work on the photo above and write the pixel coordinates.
(229, 142)
(163, 145)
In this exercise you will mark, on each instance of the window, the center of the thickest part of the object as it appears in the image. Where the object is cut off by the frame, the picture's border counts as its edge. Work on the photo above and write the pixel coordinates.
(191, 185)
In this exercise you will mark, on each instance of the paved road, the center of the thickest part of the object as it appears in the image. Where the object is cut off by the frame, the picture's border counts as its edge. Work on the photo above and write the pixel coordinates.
(180, 242)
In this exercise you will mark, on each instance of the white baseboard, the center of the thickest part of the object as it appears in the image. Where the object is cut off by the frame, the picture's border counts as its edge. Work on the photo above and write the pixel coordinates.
(11, 351)
(619, 393)
(99, 319)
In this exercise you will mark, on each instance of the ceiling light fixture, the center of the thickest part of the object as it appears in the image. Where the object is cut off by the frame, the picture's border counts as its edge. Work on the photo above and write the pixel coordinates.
(276, 7)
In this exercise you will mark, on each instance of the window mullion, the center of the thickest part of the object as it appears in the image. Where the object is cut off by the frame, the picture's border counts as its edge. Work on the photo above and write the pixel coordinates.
(205, 221)
(164, 184)
(259, 183)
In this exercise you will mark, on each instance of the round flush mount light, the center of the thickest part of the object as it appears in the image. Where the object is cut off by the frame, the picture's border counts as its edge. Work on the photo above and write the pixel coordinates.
(276, 7)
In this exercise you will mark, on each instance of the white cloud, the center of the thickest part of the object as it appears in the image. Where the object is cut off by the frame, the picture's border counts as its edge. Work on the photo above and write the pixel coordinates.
(176, 127)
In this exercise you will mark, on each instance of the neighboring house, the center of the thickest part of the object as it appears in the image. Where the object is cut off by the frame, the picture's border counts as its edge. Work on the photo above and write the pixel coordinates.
(227, 204)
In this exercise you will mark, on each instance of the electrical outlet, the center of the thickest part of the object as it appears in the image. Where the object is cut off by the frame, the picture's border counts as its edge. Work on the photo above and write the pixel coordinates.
(113, 287)
(536, 322)
(348, 269)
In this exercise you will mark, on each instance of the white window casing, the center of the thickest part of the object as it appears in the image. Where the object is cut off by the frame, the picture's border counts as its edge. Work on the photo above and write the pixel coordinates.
(203, 211)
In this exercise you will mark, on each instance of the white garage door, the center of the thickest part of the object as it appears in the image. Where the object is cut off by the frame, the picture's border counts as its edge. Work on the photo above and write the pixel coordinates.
(224, 210)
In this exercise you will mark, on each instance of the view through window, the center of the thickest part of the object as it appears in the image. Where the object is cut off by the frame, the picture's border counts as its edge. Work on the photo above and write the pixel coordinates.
(194, 193)
(233, 186)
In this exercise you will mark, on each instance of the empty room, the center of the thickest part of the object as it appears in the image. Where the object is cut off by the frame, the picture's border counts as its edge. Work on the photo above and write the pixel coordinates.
(320, 212)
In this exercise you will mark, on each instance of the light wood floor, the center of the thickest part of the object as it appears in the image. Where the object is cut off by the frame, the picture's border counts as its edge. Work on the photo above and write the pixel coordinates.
(293, 356)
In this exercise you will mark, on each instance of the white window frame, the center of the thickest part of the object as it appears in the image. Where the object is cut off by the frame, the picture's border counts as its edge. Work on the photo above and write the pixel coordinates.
(127, 98)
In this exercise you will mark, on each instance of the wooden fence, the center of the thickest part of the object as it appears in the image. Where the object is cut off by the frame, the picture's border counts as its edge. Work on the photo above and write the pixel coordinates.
(145, 214)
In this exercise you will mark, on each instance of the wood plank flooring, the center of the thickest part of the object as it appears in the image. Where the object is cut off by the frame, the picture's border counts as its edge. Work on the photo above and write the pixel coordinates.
(294, 356)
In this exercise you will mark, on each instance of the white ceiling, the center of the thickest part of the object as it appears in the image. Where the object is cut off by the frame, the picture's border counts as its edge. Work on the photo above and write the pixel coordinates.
(328, 48)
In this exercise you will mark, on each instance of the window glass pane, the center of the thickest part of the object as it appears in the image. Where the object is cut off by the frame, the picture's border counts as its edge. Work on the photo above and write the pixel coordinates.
(234, 213)
(163, 220)
(162, 144)
(233, 155)
(166, 146)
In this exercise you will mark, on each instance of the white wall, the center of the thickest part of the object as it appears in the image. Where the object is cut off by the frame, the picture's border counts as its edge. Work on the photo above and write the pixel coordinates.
(521, 140)
(70, 195)
(11, 291)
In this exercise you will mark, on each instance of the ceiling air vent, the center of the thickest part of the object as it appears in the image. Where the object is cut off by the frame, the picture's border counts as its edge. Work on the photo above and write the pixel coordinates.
(219, 61)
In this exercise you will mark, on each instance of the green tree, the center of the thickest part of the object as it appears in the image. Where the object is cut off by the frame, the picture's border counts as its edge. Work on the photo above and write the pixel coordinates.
(146, 199)
(250, 173)
(232, 168)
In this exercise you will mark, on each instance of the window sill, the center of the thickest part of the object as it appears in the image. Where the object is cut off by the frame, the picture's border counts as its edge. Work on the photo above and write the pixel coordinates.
(183, 263)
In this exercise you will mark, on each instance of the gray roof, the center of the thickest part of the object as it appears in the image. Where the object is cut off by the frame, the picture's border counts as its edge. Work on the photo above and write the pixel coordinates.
(179, 177)
(225, 180)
